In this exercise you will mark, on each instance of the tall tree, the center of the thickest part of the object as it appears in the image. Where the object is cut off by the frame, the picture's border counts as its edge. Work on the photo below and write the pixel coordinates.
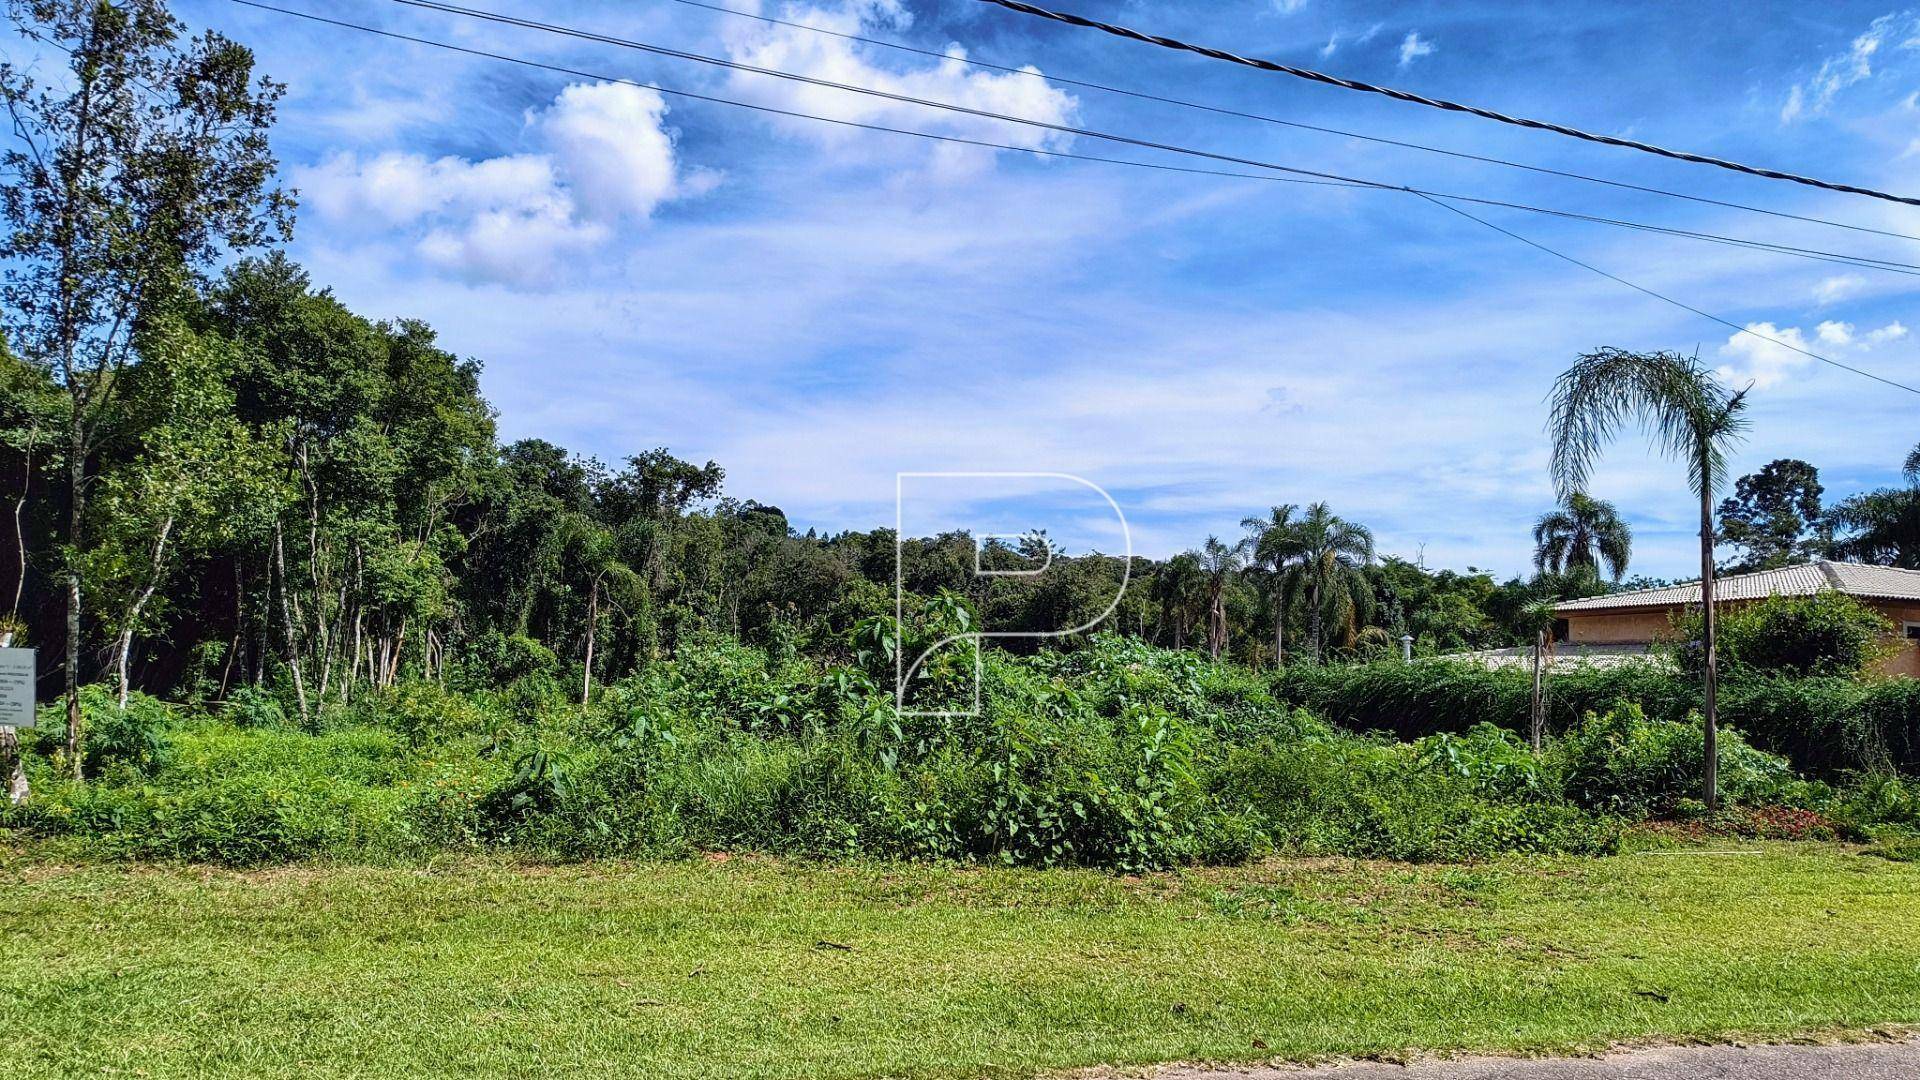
(1325, 564)
(1272, 543)
(135, 170)
(1582, 535)
(1178, 584)
(1774, 516)
(1881, 526)
(185, 476)
(1691, 417)
(1219, 562)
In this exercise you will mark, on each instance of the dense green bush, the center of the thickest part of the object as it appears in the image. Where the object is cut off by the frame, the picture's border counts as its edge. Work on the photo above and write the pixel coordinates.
(1622, 762)
(1426, 697)
(1826, 634)
(1825, 725)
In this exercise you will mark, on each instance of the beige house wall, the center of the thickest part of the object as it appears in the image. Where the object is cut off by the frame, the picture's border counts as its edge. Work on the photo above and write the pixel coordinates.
(1651, 624)
(1620, 627)
(1907, 660)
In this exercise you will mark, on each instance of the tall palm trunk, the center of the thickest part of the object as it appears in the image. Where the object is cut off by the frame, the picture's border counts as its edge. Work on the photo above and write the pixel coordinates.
(1216, 622)
(1709, 642)
(1279, 632)
(1313, 624)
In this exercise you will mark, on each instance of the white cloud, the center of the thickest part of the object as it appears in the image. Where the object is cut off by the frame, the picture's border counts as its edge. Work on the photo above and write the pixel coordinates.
(608, 159)
(1288, 7)
(395, 189)
(1413, 47)
(1849, 68)
(1767, 363)
(611, 146)
(837, 59)
(1835, 289)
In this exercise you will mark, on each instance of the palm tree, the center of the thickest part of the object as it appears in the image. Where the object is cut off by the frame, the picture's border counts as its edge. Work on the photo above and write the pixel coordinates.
(1218, 562)
(1580, 536)
(1883, 526)
(1690, 416)
(1271, 543)
(1176, 586)
(1324, 558)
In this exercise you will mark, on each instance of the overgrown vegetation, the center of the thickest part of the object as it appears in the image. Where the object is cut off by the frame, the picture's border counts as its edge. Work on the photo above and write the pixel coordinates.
(1116, 755)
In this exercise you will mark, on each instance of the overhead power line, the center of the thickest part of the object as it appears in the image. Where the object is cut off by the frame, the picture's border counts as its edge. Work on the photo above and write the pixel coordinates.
(1220, 110)
(1438, 103)
(1664, 298)
(1859, 261)
(1314, 178)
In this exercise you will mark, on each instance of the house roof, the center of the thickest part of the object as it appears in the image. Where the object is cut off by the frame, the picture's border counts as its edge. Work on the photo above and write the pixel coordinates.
(1854, 579)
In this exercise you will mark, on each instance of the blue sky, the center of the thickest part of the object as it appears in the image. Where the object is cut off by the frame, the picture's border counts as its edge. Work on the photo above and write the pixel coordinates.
(818, 309)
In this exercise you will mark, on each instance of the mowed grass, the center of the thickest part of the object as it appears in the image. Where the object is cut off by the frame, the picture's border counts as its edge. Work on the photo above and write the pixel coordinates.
(752, 967)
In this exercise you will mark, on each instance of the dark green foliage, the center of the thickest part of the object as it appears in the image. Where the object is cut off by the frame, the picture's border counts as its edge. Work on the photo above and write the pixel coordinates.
(1826, 726)
(1430, 696)
(1621, 762)
(1827, 633)
(135, 739)
(1118, 755)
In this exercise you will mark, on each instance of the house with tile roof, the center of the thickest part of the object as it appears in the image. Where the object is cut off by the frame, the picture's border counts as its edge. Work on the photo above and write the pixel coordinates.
(1639, 618)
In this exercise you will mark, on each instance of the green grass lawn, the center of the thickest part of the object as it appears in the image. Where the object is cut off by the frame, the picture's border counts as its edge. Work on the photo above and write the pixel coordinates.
(759, 968)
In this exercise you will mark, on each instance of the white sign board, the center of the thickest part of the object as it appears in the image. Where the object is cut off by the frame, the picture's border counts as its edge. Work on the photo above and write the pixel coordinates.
(16, 687)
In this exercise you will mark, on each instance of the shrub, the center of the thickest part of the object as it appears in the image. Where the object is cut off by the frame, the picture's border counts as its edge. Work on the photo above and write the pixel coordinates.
(496, 659)
(1625, 763)
(424, 713)
(135, 739)
(1343, 795)
(1426, 697)
(251, 707)
(1826, 634)
(1493, 760)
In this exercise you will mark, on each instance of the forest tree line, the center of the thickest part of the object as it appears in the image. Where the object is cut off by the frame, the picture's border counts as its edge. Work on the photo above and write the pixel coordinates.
(219, 476)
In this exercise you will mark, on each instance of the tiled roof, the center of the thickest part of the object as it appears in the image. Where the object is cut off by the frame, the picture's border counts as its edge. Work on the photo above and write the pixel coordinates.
(1854, 579)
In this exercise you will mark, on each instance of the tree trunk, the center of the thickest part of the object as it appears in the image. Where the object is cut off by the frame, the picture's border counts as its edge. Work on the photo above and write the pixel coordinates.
(124, 647)
(1539, 712)
(286, 621)
(1279, 633)
(593, 617)
(1711, 750)
(76, 505)
(1314, 627)
(19, 524)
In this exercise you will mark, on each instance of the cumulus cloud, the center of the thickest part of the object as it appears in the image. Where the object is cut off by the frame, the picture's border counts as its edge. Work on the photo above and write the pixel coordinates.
(607, 158)
(1835, 289)
(1766, 354)
(837, 59)
(1413, 47)
(1899, 30)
